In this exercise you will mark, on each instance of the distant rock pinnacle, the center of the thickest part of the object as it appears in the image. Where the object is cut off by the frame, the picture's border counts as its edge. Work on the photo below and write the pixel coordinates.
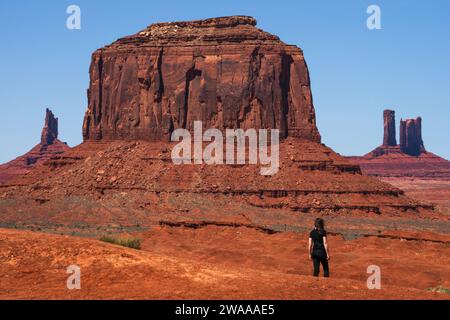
(411, 136)
(50, 130)
(389, 128)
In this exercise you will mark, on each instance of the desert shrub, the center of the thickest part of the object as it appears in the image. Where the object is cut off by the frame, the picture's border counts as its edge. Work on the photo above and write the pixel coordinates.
(134, 243)
(440, 289)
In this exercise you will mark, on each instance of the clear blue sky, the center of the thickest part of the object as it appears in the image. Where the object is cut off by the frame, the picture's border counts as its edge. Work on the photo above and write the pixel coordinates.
(355, 72)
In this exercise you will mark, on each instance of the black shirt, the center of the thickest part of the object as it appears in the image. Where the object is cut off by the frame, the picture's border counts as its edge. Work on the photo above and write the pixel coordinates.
(317, 239)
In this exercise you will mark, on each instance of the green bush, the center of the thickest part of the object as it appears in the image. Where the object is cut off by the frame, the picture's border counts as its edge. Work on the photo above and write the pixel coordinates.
(440, 289)
(134, 243)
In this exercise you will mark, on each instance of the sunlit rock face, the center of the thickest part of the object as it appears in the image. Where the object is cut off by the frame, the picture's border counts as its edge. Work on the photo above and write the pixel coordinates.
(224, 72)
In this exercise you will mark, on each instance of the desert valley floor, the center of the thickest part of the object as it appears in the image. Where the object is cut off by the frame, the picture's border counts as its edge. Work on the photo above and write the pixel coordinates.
(220, 263)
(198, 244)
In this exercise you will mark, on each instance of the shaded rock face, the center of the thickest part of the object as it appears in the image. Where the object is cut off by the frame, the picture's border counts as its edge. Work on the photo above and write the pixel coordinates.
(50, 130)
(222, 71)
(389, 128)
(411, 136)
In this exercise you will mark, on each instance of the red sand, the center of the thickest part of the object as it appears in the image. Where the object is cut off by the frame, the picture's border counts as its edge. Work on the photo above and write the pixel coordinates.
(217, 263)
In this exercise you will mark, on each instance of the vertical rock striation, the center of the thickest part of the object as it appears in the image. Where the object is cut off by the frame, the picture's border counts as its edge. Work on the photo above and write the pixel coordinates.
(224, 72)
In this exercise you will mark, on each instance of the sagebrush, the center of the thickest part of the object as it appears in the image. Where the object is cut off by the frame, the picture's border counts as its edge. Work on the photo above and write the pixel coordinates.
(134, 243)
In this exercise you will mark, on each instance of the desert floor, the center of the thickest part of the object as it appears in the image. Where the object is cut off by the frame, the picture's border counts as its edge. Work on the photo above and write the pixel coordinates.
(238, 262)
(218, 263)
(436, 191)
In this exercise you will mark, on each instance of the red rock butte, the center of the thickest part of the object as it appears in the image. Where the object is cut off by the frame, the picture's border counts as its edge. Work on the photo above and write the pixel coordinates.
(227, 73)
(222, 71)
(407, 159)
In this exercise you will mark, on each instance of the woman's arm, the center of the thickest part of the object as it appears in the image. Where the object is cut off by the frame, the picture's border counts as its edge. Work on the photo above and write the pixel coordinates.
(310, 248)
(325, 244)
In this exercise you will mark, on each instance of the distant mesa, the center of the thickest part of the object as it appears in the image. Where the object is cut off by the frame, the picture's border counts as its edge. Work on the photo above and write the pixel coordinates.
(409, 158)
(49, 147)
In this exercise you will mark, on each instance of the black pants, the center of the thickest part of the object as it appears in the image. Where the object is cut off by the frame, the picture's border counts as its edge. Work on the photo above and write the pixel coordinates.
(320, 259)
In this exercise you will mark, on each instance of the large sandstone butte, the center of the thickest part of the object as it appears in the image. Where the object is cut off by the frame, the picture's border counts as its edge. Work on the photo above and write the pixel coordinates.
(407, 159)
(222, 71)
(49, 147)
(227, 73)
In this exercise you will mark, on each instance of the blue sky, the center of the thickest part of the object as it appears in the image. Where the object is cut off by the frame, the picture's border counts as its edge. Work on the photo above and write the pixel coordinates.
(355, 72)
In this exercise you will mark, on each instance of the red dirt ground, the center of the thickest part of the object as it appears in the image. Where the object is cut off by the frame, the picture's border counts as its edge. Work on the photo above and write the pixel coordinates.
(436, 191)
(217, 263)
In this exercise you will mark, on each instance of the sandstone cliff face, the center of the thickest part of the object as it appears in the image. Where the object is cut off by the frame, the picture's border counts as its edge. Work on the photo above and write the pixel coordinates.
(222, 71)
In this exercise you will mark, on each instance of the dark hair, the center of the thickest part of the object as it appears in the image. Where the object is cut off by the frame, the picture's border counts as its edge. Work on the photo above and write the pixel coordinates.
(319, 223)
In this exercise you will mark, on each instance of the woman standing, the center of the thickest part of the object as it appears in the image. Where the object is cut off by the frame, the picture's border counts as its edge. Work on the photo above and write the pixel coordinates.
(318, 248)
